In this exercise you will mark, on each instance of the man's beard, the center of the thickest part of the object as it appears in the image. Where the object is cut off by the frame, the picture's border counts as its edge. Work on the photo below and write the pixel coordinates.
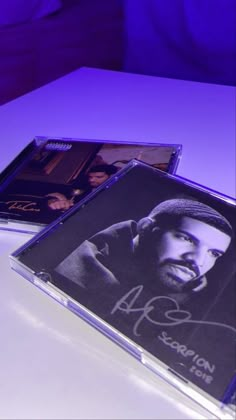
(178, 275)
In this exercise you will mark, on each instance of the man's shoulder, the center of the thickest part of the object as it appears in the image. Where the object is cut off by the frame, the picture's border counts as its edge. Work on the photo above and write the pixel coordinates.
(127, 228)
(130, 225)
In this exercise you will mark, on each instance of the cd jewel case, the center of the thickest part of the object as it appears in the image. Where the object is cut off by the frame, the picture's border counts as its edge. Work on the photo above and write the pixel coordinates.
(149, 260)
(52, 174)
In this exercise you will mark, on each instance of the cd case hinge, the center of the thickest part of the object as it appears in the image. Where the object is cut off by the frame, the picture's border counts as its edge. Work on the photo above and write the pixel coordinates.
(50, 290)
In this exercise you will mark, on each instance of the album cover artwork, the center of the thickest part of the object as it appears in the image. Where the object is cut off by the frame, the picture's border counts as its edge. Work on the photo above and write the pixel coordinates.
(51, 175)
(150, 260)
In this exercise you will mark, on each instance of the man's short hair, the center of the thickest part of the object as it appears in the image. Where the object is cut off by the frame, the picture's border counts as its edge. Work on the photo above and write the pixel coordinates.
(108, 169)
(170, 211)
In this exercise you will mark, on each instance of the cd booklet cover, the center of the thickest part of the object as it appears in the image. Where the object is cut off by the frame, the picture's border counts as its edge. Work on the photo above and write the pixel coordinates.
(51, 175)
(149, 259)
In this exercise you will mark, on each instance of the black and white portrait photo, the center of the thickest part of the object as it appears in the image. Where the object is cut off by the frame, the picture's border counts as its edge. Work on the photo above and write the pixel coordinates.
(171, 250)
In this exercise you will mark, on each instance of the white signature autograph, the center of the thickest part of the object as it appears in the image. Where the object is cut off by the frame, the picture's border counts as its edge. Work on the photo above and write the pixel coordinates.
(172, 317)
(23, 205)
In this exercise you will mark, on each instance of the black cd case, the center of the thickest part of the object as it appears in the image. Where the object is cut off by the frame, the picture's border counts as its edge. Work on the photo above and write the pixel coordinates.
(149, 260)
(52, 174)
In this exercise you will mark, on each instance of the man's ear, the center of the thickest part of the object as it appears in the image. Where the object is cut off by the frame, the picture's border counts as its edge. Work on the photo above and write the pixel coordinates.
(147, 225)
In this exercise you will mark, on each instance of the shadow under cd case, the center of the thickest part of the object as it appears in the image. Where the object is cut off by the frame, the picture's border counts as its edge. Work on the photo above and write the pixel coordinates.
(149, 260)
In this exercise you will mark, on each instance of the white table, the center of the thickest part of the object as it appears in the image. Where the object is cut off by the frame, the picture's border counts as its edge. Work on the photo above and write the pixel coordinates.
(53, 365)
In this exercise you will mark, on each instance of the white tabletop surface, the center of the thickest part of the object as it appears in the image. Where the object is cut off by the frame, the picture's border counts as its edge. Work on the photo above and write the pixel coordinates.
(53, 365)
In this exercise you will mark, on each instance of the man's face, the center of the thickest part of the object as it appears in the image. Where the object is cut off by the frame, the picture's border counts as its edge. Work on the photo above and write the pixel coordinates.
(188, 252)
(97, 178)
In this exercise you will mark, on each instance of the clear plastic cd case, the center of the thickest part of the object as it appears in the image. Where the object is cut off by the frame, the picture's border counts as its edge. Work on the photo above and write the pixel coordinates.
(52, 174)
(149, 260)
